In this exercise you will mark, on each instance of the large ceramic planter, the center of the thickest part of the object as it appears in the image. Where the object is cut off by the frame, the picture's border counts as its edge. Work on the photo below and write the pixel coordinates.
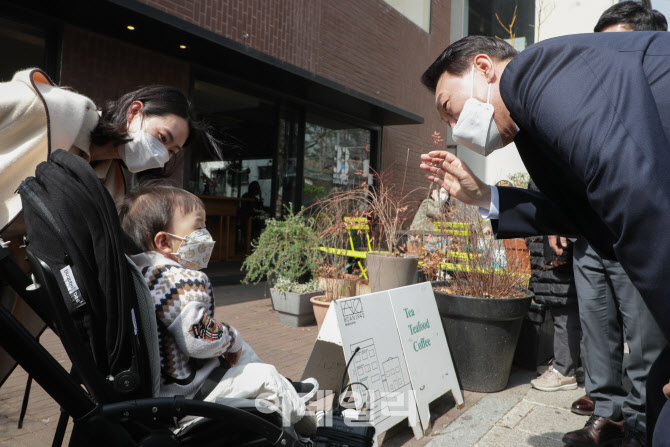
(536, 339)
(482, 334)
(295, 309)
(320, 308)
(388, 272)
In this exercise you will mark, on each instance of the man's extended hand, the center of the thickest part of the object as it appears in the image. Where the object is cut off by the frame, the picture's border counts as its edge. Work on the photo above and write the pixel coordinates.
(557, 244)
(455, 176)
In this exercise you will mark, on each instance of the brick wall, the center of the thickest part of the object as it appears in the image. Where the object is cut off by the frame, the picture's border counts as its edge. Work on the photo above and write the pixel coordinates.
(362, 44)
(285, 29)
(103, 68)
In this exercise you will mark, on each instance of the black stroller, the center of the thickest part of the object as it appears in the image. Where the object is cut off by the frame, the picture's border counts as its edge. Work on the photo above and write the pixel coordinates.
(96, 301)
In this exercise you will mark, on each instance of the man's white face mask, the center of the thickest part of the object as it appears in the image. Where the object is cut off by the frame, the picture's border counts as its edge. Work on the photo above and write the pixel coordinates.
(475, 128)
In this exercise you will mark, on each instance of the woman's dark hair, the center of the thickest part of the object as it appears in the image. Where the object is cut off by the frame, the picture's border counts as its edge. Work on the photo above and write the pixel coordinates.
(254, 188)
(150, 210)
(633, 14)
(458, 56)
(157, 100)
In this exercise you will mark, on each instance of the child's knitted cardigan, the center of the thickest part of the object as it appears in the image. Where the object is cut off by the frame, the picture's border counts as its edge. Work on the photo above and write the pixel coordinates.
(190, 339)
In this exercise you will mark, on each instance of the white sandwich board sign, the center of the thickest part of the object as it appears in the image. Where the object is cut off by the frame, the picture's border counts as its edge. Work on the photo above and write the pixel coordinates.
(403, 362)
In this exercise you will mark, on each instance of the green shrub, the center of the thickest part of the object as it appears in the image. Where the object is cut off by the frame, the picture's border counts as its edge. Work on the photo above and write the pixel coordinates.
(286, 249)
(286, 285)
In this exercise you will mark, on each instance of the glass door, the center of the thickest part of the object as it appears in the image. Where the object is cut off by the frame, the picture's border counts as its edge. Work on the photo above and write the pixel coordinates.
(237, 191)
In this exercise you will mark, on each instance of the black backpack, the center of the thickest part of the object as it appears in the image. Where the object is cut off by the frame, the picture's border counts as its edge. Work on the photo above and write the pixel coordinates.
(72, 226)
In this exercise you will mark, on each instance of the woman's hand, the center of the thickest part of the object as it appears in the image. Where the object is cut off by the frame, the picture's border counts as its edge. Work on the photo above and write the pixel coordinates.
(456, 178)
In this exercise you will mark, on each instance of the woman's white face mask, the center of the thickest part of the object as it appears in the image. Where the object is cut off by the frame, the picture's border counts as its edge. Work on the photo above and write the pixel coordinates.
(475, 128)
(143, 151)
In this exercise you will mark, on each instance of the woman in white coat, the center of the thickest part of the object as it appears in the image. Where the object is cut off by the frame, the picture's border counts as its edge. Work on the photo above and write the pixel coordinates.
(141, 130)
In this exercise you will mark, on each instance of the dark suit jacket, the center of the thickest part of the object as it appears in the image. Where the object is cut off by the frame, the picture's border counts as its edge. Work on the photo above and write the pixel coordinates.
(594, 118)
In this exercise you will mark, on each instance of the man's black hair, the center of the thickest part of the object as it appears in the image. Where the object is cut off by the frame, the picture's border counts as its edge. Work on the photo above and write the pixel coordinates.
(458, 56)
(633, 14)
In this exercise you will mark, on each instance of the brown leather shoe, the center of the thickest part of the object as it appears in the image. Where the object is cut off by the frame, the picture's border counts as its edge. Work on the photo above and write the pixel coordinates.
(583, 405)
(598, 432)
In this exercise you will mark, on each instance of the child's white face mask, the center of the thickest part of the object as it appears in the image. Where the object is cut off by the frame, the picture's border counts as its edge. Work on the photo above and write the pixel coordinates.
(195, 249)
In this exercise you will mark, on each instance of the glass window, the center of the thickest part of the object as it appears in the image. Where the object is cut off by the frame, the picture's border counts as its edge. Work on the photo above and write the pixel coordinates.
(510, 20)
(418, 11)
(247, 127)
(337, 157)
(236, 191)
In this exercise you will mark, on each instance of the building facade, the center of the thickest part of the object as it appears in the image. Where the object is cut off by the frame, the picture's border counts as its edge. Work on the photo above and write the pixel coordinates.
(307, 96)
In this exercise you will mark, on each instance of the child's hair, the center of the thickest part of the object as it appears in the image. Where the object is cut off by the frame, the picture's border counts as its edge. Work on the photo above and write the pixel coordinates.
(149, 210)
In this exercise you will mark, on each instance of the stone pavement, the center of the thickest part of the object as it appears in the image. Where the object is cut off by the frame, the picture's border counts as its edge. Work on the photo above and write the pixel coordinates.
(517, 416)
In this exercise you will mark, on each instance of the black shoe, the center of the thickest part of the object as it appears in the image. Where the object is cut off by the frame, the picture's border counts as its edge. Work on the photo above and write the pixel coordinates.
(634, 438)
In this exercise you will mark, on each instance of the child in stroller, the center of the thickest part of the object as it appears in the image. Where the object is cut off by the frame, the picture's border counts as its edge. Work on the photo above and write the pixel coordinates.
(164, 230)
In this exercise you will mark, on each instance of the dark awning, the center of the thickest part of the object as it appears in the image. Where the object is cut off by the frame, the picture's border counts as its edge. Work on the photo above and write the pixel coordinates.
(163, 32)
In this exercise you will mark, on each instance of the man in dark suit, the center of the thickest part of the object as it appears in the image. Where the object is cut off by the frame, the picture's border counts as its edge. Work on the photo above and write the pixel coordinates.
(590, 116)
(612, 310)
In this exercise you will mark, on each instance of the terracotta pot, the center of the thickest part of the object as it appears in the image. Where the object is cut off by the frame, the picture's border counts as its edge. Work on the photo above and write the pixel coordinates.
(320, 307)
(389, 272)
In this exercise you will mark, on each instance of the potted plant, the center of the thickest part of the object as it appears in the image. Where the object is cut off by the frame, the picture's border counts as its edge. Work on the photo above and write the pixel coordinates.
(384, 207)
(333, 236)
(285, 252)
(293, 301)
(389, 266)
(335, 284)
(482, 302)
